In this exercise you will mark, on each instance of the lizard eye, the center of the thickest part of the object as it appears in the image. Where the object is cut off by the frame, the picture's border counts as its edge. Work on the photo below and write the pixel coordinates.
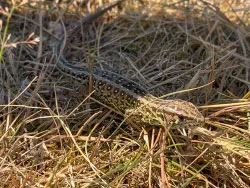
(181, 118)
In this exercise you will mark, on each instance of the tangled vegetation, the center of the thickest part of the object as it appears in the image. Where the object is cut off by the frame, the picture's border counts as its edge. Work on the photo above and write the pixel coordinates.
(51, 135)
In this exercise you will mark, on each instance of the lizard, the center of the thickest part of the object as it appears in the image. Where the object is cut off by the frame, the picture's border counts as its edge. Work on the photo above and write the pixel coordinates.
(130, 98)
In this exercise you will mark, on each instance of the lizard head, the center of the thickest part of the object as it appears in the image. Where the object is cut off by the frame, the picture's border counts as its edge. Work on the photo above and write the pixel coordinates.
(180, 112)
(166, 112)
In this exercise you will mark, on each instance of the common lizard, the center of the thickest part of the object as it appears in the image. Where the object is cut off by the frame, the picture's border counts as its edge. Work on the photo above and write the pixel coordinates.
(131, 99)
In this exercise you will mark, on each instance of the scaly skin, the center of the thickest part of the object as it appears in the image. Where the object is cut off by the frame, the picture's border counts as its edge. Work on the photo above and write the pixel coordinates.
(130, 99)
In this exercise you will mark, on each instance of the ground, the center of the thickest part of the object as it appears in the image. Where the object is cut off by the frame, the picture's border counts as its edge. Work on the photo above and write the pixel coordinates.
(53, 135)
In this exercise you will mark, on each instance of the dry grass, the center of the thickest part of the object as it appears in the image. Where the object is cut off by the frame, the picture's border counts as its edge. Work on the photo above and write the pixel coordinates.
(52, 136)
